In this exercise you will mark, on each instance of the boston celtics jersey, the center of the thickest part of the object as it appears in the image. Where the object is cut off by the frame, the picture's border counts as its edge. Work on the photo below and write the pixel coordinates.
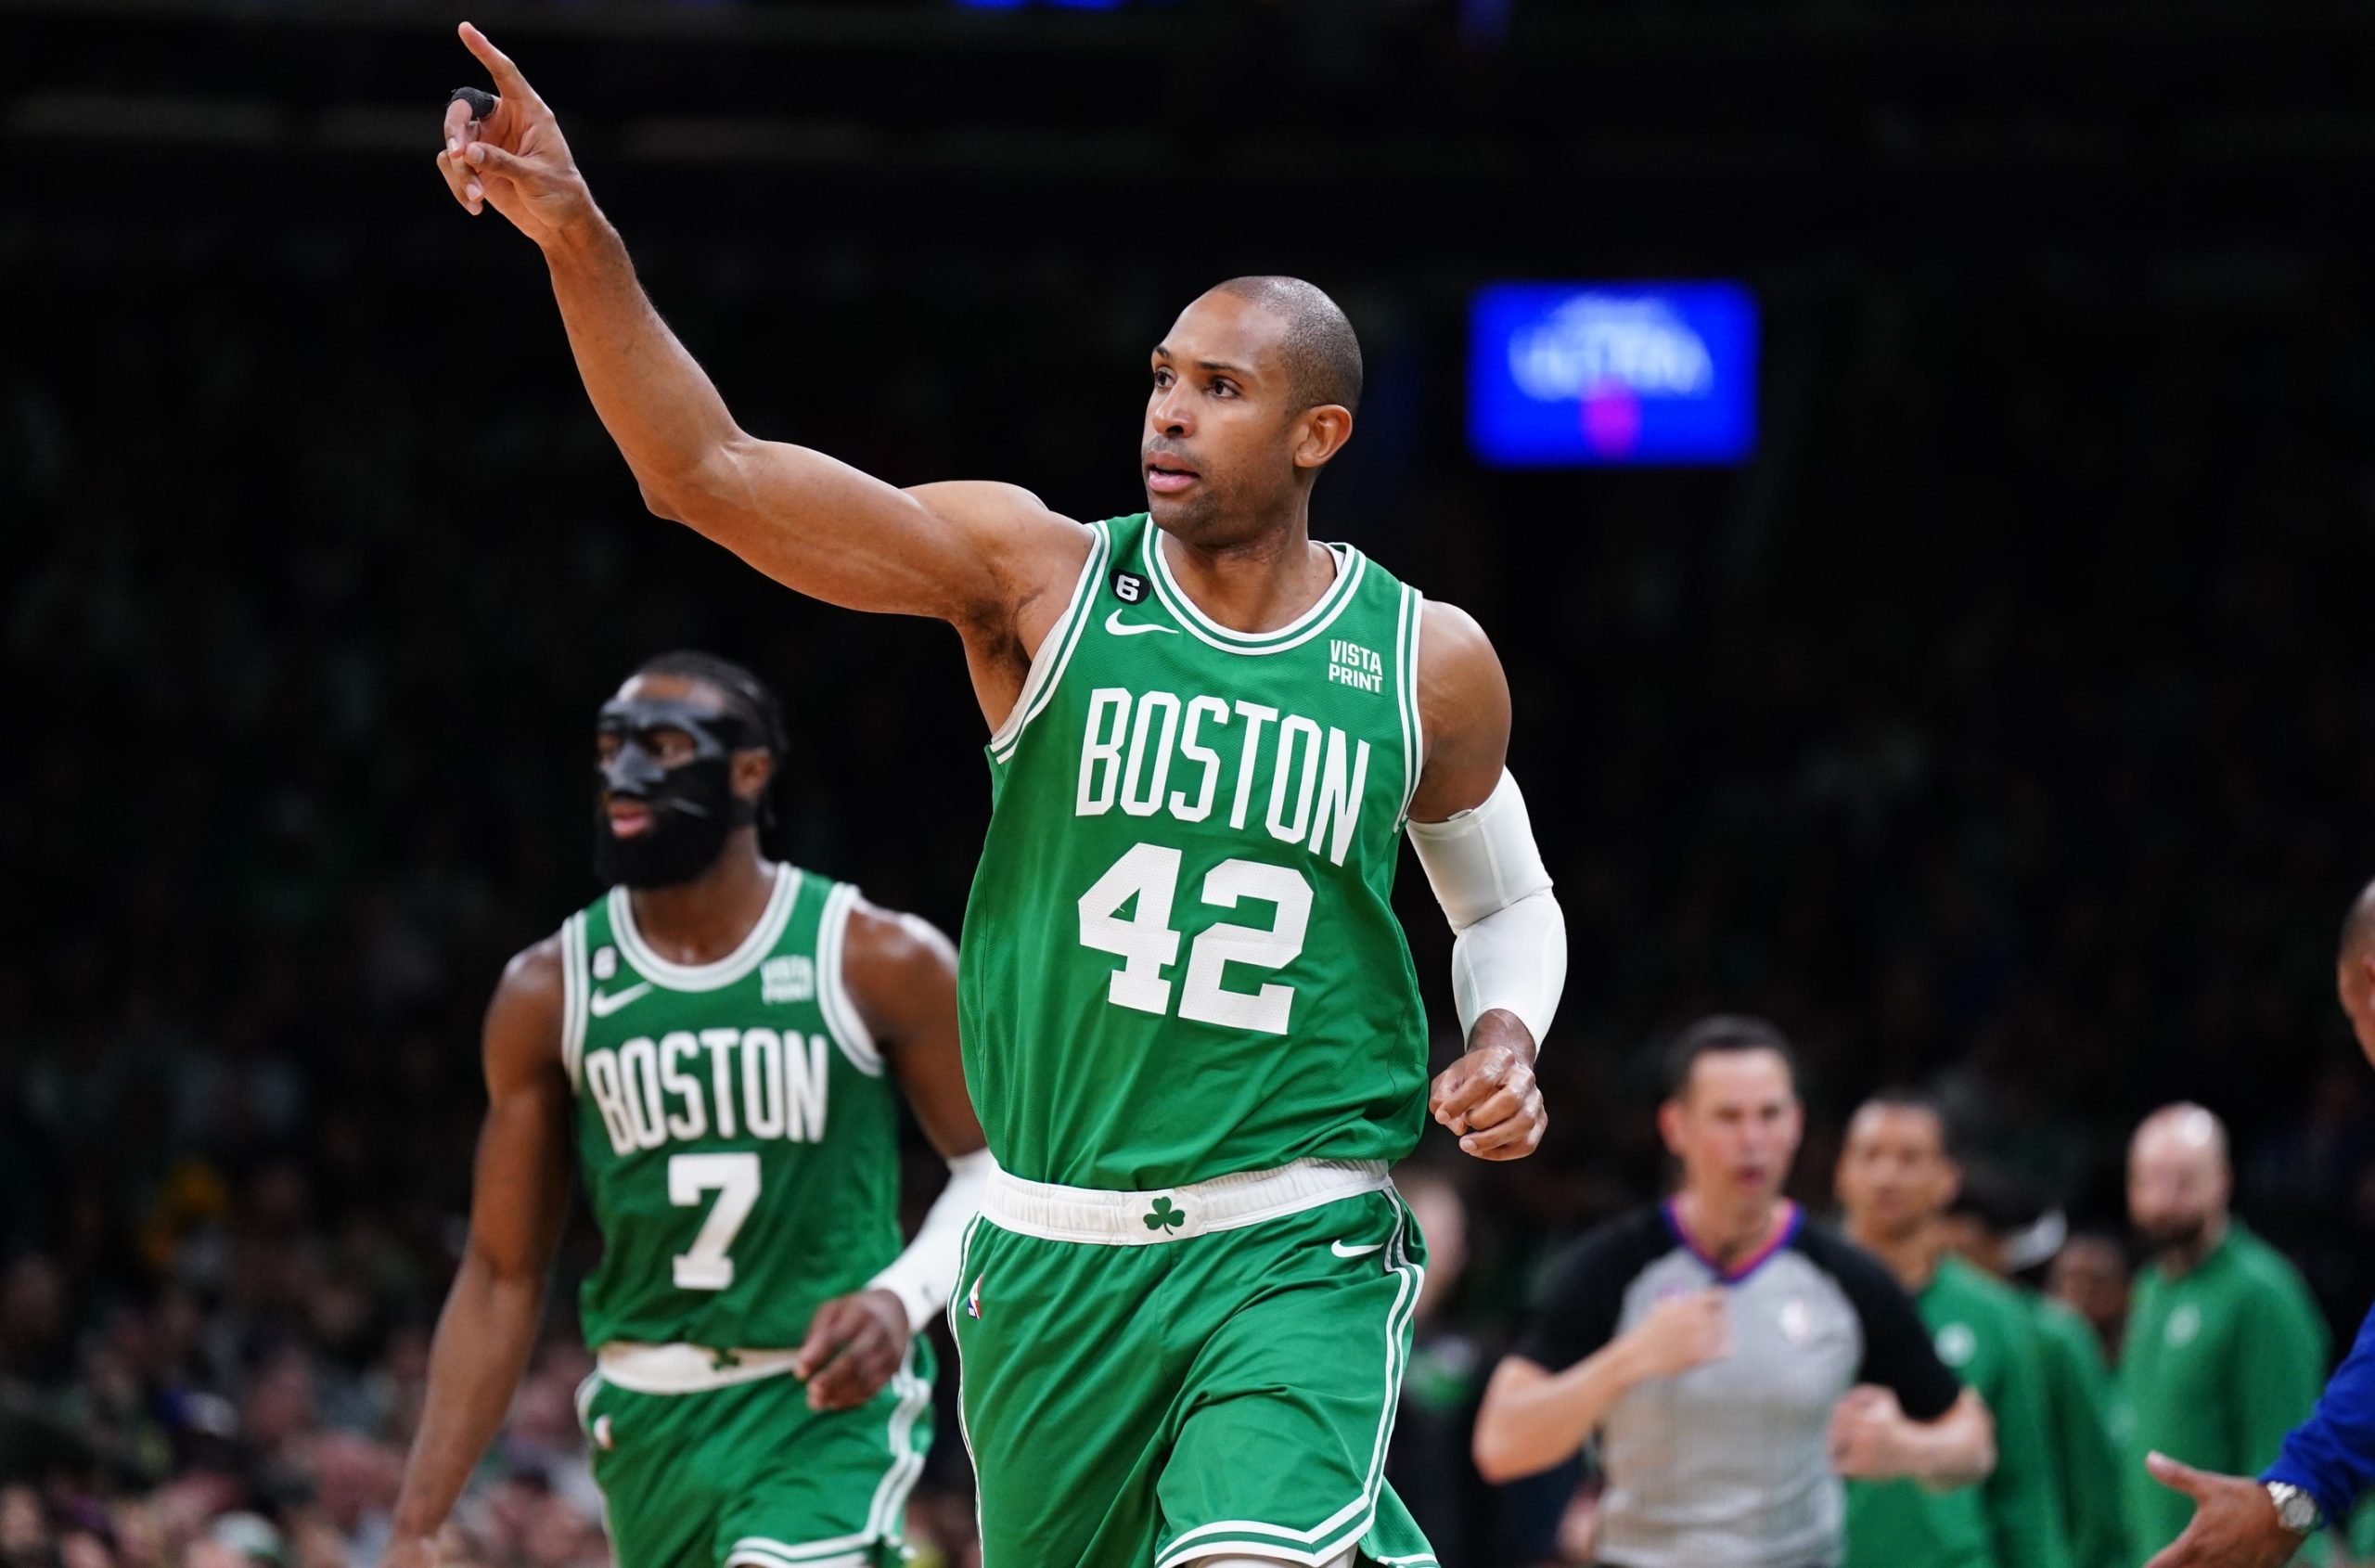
(737, 1133)
(1180, 959)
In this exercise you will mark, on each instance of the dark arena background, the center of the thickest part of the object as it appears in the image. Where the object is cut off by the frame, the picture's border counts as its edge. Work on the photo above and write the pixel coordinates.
(2000, 721)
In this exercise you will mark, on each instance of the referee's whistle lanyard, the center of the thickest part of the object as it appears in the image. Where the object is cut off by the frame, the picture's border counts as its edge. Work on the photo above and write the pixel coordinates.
(1783, 1224)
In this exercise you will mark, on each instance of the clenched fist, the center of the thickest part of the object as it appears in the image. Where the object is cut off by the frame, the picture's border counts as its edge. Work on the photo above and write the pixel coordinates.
(1681, 1332)
(854, 1343)
(1867, 1433)
(1488, 1098)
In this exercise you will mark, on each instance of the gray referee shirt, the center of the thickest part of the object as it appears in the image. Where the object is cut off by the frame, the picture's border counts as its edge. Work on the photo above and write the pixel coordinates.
(1728, 1464)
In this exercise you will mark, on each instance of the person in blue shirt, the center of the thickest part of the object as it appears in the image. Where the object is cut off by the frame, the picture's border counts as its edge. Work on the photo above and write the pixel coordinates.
(2328, 1462)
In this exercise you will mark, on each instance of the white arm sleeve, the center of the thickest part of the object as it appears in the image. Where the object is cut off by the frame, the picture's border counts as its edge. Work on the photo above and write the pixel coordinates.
(925, 1275)
(1489, 877)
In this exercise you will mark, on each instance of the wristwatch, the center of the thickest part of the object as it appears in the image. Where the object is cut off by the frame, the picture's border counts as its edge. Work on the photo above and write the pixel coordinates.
(2295, 1510)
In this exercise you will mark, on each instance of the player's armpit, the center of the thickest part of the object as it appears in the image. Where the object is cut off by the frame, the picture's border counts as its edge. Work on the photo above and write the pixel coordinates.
(1033, 555)
(1463, 714)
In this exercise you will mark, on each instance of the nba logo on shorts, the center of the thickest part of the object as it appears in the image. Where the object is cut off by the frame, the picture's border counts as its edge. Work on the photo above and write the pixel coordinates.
(973, 1299)
(1129, 589)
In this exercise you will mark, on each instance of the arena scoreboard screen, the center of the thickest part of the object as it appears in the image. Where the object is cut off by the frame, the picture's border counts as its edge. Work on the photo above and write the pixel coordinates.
(1565, 375)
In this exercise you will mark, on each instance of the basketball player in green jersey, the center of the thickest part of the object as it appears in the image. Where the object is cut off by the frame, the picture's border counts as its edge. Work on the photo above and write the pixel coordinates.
(716, 1040)
(1189, 1019)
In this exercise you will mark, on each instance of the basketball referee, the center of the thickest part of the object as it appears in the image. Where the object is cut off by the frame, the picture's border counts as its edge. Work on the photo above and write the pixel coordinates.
(1736, 1360)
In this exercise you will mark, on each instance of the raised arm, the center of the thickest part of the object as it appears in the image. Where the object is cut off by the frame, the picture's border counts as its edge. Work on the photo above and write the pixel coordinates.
(977, 555)
(1469, 825)
(518, 1197)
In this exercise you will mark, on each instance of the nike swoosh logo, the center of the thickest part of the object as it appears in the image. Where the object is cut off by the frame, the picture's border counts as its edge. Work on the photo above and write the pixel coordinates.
(1121, 629)
(605, 1003)
(1343, 1250)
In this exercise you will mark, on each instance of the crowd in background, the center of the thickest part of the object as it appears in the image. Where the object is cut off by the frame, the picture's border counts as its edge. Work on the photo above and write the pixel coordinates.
(2004, 729)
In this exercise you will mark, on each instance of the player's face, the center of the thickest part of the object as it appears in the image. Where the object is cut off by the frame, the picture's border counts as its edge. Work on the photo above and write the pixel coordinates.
(2176, 1184)
(1223, 441)
(1737, 1126)
(1892, 1172)
(670, 786)
(1971, 1241)
(2090, 1276)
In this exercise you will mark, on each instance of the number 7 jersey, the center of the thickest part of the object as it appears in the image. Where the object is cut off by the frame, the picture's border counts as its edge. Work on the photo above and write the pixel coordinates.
(1180, 958)
(737, 1130)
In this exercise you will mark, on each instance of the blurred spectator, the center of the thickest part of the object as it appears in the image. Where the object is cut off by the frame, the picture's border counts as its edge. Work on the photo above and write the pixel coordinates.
(2225, 1351)
(2090, 1275)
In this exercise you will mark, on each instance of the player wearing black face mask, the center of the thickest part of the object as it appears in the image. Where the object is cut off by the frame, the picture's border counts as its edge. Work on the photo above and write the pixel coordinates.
(668, 799)
(717, 1047)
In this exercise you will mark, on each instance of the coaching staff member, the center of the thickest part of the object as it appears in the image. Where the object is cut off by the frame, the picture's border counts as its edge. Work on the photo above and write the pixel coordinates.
(1737, 1359)
(2328, 1462)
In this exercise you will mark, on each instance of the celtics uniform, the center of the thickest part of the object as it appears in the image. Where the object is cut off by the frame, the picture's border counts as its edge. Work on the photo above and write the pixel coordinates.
(2079, 1404)
(2013, 1518)
(738, 1142)
(2218, 1364)
(1192, 1030)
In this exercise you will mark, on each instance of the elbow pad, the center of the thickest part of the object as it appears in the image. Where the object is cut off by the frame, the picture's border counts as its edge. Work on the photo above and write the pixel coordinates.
(925, 1275)
(1488, 875)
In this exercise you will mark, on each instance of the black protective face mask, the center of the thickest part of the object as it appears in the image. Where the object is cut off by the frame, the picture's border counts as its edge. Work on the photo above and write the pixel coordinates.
(693, 805)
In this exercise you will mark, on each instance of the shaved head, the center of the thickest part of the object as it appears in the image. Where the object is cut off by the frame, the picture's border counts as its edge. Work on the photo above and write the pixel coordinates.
(2184, 1129)
(2359, 926)
(1323, 357)
(2179, 1178)
(2354, 969)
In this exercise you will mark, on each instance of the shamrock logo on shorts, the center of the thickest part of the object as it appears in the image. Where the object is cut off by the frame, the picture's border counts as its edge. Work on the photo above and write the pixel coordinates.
(1166, 1215)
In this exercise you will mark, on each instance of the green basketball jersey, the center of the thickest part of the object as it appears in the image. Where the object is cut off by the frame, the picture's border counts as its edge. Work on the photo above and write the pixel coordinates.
(737, 1136)
(1180, 959)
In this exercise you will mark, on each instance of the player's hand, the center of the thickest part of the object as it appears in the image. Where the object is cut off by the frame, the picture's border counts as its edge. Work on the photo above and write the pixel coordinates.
(1488, 1098)
(1681, 1332)
(2234, 1522)
(1867, 1427)
(515, 157)
(854, 1343)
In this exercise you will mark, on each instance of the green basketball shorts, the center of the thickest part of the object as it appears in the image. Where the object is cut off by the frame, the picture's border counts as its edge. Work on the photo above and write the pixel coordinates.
(743, 1474)
(1151, 1378)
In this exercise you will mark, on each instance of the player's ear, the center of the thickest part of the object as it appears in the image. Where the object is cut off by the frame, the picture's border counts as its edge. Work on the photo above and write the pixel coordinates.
(1670, 1127)
(1320, 433)
(752, 771)
(1953, 1188)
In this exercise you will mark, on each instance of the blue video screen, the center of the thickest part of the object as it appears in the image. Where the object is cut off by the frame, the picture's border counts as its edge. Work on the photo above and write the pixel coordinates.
(1568, 375)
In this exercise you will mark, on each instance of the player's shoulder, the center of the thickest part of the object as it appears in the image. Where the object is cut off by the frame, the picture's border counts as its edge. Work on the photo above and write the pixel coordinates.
(536, 972)
(892, 941)
(1986, 1293)
(1008, 516)
(1449, 638)
(522, 1034)
(2261, 1270)
(1034, 553)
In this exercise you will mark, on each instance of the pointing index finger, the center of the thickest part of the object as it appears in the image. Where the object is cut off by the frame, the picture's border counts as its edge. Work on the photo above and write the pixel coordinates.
(507, 80)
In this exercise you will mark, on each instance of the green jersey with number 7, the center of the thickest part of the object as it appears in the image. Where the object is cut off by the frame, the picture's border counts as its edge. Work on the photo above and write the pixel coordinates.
(737, 1133)
(1180, 957)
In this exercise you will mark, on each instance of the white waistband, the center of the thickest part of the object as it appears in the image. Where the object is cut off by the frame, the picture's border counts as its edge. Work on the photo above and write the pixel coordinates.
(1173, 1213)
(685, 1368)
